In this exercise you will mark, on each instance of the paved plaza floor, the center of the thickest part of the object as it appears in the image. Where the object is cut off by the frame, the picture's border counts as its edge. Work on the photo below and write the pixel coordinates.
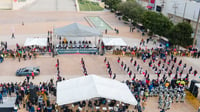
(70, 67)
(38, 22)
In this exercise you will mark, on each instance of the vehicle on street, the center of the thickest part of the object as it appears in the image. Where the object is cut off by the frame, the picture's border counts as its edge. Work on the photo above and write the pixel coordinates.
(28, 71)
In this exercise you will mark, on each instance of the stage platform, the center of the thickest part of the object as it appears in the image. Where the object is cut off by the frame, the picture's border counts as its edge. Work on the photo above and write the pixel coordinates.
(78, 51)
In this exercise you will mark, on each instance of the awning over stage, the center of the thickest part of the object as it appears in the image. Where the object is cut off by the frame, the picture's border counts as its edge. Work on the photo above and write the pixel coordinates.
(114, 42)
(36, 41)
(92, 86)
(77, 30)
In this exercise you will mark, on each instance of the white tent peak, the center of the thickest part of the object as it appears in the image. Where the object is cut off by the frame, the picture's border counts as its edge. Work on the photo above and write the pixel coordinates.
(77, 30)
(36, 41)
(113, 41)
(92, 86)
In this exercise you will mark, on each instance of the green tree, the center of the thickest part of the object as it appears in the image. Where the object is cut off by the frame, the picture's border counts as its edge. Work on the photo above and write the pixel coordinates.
(156, 22)
(112, 3)
(180, 34)
(132, 10)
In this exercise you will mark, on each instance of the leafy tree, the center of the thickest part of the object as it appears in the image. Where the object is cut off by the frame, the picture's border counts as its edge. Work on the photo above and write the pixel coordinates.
(112, 3)
(180, 34)
(156, 22)
(131, 9)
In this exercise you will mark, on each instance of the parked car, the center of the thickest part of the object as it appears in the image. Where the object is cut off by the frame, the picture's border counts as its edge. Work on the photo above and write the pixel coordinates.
(28, 71)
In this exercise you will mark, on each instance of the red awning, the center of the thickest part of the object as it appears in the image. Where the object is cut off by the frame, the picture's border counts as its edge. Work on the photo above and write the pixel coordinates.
(149, 7)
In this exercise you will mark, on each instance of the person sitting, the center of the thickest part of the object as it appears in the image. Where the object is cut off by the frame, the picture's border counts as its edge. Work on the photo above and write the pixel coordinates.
(83, 103)
(89, 42)
(90, 104)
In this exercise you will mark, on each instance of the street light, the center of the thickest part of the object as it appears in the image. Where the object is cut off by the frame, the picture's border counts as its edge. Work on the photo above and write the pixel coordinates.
(56, 5)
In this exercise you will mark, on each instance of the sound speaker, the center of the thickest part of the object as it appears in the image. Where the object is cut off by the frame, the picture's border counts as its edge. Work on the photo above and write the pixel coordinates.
(195, 91)
(192, 84)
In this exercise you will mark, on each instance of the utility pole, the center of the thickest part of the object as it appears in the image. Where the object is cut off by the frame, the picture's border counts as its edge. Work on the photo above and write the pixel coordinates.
(184, 10)
(175, 7)
(196, 30)
(56, 5)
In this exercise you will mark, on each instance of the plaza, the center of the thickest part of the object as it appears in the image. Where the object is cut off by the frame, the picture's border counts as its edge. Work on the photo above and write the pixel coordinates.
(38, 19)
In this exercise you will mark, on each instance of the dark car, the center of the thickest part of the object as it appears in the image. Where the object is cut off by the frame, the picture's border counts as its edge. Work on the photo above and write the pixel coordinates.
(28, 71)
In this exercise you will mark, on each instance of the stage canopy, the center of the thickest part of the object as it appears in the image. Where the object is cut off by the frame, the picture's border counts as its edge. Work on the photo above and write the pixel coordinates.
(92, 86)
(77, 30)
(114, 42)
(36, 41)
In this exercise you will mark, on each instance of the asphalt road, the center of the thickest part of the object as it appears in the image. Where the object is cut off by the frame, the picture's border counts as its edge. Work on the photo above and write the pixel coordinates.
(51, 5)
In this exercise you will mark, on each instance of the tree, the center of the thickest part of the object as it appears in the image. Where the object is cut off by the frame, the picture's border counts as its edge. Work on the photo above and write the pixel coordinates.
(131, 9)
(112, 3)
(180, 34)
(156, 22)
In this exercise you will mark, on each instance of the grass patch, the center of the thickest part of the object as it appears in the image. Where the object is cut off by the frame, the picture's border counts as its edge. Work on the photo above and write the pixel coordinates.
(85, 5)
(192, 100)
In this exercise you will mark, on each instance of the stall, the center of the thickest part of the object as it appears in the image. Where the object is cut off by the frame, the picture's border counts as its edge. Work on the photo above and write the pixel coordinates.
(36, 42)
(92, 86)
(113, 43)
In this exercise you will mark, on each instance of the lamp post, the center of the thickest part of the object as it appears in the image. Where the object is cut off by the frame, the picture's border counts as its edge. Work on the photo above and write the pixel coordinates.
(56, 5)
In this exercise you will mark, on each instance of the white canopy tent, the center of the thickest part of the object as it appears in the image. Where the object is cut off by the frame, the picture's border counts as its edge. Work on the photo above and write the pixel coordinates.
(92, 86)
(198, 85)
(36, 41)
(77, 30)
(114, 42)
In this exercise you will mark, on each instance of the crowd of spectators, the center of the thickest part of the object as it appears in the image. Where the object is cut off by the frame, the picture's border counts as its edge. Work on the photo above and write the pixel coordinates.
(28, 95)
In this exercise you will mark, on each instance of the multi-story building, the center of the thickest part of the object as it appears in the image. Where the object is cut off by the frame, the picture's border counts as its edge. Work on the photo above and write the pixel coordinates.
(178, 11)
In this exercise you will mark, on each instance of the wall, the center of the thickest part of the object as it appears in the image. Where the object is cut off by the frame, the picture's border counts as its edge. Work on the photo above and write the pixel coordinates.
(5, 4)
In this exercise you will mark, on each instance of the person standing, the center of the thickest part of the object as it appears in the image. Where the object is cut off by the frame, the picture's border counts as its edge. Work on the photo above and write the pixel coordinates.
(1, 98)
(114, 76)
(190, 69)
(105, 59)
(27, 77)
(13, 36)
(106, 31)
(33, 75)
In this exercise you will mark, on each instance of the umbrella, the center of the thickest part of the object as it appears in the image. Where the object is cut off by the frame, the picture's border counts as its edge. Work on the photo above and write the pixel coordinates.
(182, 82)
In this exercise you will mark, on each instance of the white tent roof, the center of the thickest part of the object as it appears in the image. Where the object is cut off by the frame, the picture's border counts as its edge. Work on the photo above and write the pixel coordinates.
(36, 41)
(92, 86)
(198, 85)
(114, 42)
